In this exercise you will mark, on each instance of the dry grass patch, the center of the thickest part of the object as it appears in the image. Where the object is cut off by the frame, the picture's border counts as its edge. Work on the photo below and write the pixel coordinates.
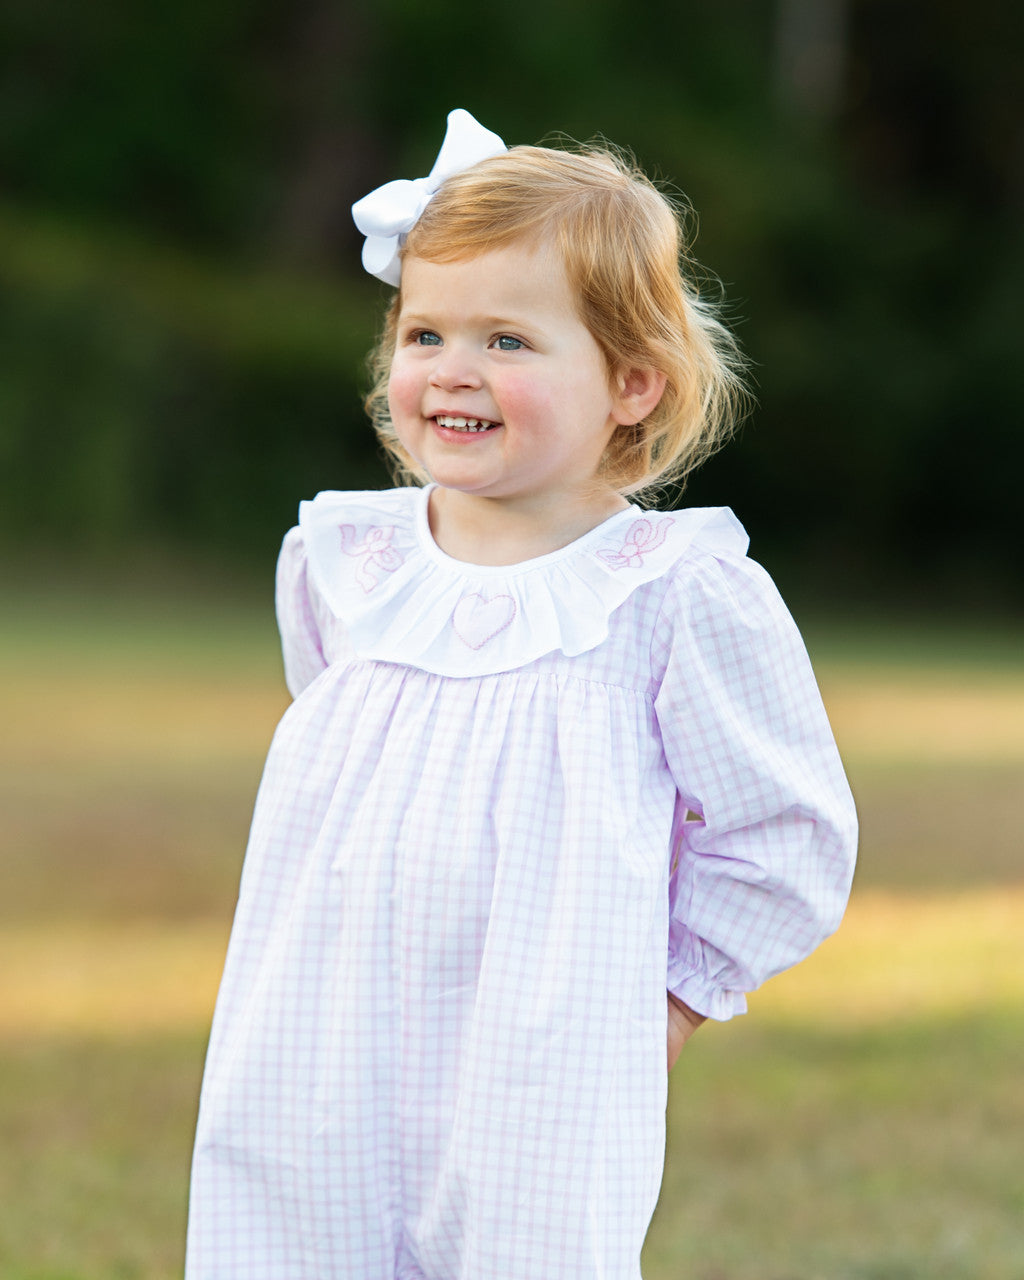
(926, 716)
(901, 957)
(109, 980)
(862, 1124)
(896, 958)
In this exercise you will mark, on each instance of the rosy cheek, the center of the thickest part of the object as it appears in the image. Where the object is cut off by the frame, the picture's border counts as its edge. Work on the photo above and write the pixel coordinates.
(521, 398)
(404, 389)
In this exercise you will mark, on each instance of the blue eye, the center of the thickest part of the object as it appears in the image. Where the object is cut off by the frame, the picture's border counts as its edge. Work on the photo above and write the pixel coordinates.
(505, 342)
(427, 339)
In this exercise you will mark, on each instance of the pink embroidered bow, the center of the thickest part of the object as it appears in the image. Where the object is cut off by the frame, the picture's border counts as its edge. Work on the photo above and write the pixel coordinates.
(641, 537)
(373, 552)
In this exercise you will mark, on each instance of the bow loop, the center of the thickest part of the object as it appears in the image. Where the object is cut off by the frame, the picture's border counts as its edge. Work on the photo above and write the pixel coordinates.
(386, 211)
(388, 214)
(380, 258)
(466, 142)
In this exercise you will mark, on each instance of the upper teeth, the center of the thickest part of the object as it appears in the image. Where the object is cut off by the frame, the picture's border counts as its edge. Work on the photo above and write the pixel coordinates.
(463, 424)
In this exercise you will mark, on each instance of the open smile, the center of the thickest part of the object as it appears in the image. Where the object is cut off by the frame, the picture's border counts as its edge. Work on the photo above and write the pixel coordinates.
(469, 425)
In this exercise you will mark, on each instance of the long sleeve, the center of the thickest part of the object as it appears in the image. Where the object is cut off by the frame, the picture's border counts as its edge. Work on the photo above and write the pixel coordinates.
(301, 640)
(762, 866)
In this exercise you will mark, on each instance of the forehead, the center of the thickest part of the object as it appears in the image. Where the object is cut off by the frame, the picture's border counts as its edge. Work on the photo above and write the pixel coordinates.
(522, 276)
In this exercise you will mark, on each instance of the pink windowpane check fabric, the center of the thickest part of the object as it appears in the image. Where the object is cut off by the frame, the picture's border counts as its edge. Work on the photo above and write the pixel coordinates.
(439, 1046)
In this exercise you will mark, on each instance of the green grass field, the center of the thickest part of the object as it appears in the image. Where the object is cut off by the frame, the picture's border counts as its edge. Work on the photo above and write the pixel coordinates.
(863, 1123)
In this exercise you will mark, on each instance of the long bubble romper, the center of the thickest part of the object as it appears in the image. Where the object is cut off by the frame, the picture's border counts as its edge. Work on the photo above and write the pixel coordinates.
(507, 808)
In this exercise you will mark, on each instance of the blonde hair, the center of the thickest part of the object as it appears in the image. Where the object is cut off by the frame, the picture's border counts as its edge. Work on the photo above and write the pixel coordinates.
(638, 291)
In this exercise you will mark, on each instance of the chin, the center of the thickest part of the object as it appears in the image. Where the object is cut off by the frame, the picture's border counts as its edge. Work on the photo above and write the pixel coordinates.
(463, 479)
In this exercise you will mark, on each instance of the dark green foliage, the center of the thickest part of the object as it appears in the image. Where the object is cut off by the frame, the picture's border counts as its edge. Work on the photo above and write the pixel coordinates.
(182, 320)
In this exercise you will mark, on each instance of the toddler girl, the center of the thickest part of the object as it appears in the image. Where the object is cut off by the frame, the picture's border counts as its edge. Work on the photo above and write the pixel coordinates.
(556, 786)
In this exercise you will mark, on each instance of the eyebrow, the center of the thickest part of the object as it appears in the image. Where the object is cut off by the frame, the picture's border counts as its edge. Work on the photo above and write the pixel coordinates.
(481, 322)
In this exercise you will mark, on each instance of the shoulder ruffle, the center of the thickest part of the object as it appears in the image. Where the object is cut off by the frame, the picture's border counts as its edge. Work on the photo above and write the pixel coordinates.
(402, 600)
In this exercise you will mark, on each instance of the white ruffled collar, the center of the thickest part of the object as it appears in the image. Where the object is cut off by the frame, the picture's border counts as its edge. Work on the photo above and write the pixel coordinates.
(403, 600)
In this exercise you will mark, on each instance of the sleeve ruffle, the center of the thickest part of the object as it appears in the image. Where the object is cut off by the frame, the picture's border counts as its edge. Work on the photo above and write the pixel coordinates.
(301, 639)
(766, 831)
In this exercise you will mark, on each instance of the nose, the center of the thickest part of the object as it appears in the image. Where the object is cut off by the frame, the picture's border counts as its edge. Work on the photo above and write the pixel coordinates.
(455, 368)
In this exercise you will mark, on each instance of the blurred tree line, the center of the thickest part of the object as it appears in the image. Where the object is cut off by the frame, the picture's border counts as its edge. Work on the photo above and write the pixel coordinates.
(183, 320)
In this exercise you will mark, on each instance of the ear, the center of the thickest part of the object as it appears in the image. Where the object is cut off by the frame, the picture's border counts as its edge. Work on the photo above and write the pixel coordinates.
(637, 392)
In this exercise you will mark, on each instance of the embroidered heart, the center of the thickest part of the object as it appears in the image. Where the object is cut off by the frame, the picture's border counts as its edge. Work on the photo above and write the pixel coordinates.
(476, 620)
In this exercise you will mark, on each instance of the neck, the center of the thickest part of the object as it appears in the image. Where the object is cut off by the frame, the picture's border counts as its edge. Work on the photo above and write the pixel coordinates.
(497, 531)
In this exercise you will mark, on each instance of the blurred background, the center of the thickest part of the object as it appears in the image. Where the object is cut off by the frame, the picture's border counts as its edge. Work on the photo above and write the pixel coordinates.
(185, 320)
(183, 326)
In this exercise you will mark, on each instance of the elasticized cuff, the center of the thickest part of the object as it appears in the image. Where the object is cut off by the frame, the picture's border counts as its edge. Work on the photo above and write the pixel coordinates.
(713, 1002)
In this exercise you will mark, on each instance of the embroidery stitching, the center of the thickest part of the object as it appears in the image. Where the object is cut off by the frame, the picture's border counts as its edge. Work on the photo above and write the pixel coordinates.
(374, 552)
(642, 537)
(477, 619)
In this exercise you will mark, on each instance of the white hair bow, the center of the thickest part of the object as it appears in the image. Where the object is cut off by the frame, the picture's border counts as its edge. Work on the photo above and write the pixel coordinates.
(387, 215)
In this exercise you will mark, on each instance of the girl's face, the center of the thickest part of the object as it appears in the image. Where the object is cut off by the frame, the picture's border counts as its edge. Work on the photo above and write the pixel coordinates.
(497, 388)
